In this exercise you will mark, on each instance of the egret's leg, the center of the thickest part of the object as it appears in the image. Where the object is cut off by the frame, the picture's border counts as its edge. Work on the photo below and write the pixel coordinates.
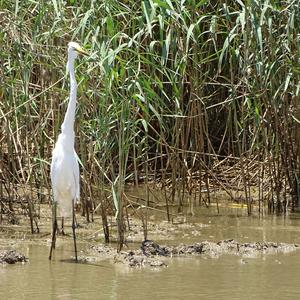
(73, 228)
(62, 226)
(54, 229)
(76, 223)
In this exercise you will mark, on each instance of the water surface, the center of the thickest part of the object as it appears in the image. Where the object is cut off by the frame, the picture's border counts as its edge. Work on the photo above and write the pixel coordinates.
(273, 276)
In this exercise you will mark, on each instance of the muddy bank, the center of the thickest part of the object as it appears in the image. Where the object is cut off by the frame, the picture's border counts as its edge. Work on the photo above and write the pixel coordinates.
(11, 257)
(155, 255)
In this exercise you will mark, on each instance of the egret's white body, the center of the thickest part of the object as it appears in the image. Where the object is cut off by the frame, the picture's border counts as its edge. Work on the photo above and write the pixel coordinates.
(64, 165)
(64, 176)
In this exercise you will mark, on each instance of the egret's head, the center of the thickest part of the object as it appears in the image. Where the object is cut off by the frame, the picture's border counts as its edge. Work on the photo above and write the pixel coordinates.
(74, 48)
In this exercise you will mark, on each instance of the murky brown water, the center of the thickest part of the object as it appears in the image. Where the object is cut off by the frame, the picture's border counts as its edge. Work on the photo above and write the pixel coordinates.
(227, 277)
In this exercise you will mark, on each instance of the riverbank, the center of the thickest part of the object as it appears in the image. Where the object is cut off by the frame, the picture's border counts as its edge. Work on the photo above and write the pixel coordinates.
(216, 235)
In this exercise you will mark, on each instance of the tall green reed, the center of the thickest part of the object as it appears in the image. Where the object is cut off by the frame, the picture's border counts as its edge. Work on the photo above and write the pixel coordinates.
(192, 94)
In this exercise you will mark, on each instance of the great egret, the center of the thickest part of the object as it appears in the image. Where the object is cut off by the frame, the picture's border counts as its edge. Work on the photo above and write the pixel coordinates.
(64, 165)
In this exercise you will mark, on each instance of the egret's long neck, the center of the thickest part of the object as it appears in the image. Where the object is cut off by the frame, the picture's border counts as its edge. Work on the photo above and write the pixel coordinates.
(68, 124)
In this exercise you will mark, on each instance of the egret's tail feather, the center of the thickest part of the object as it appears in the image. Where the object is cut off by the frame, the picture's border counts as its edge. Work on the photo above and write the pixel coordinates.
(65, 207)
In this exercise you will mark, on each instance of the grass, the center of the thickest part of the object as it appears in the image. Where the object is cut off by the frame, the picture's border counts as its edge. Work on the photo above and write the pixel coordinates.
(196, 95)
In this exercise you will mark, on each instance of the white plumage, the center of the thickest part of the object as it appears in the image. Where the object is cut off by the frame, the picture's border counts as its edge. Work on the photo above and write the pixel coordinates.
(64, 165)
(64, 176)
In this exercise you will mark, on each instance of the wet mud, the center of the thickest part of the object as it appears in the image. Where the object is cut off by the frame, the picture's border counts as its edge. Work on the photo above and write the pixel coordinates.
(148, 253)
(154, 255)
(12, 257)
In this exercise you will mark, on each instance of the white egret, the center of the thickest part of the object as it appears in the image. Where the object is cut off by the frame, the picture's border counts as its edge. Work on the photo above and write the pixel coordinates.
(64, 165)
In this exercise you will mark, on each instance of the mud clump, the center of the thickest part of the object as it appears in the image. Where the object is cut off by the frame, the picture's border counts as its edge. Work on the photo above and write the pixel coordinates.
(104, 250)
(150, 248)
(11, 257)
(252, 249)
(138, 259)
(154, 255)
(132, 258)
(212, 249)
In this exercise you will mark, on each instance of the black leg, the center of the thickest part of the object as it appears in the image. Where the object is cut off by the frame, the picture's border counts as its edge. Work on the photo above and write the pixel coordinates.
(54, 229)
(62, 226)
(73, 227)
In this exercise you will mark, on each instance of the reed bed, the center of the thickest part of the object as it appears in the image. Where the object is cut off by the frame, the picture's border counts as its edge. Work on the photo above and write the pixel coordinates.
(191, 97)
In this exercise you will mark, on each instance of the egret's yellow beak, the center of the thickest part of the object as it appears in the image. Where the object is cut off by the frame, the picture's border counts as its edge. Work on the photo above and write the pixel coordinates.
(81, 50)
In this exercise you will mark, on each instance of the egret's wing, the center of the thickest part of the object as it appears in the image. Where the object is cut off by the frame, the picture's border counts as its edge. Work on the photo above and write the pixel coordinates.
(76, 177)
(52, 169)
(53, 175)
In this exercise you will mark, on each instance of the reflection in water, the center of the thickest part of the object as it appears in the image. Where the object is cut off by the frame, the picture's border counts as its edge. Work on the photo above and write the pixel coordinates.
(228, 277)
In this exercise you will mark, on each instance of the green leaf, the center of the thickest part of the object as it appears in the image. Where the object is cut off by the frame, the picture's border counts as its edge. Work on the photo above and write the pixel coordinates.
(147, 15)
(170, 4)
(145, 125)
(287, 82)
(56, 8)
(226, 44)
(166, 48)
(188, 36)
(161, 4)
